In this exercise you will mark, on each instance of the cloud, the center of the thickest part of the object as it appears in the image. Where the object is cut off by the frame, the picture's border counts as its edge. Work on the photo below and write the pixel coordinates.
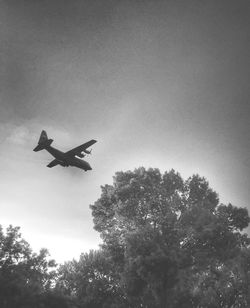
(20, 135)
(30, 131)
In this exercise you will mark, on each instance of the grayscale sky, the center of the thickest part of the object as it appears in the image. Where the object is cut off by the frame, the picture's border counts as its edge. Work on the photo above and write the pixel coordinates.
(158, 83)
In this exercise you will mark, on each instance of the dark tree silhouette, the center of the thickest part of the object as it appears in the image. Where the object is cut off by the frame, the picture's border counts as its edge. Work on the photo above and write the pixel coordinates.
(26, 278)
(92, 281)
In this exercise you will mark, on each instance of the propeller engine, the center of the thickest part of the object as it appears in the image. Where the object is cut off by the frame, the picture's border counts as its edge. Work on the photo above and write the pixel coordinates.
(87, 152)
(80, 155)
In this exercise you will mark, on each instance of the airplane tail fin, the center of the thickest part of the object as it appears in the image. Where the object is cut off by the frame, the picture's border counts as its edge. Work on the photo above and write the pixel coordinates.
(43, 142)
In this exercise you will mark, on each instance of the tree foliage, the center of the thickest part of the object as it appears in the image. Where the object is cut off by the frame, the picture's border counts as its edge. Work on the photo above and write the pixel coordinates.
(172, 242)
(167, 243)
(26, 278)
(92, 281)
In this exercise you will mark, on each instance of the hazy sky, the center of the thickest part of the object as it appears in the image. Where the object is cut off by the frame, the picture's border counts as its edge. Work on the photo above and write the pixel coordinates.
(158, 83)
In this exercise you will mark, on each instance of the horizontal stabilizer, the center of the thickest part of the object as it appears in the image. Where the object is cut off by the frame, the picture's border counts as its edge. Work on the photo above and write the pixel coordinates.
(39, 147)
(43, 145)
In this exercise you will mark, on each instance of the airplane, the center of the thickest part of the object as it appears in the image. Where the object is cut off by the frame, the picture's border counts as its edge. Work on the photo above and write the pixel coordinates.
(65, 159)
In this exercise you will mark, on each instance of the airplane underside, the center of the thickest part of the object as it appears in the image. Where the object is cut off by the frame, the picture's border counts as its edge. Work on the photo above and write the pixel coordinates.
(68, 158)
(66, 161)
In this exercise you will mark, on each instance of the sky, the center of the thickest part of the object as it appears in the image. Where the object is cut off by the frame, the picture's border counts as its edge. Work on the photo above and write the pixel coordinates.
(162, 84)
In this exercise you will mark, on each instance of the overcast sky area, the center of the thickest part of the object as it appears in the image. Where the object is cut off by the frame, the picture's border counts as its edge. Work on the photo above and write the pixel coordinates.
(161, 84)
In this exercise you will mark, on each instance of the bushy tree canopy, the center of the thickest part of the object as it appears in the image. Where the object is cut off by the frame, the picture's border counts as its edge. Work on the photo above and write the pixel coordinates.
(26, 278)
(92, 281)
(166, 243)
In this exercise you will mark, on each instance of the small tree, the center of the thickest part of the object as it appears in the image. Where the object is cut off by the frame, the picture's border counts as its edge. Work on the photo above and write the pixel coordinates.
(24, 275)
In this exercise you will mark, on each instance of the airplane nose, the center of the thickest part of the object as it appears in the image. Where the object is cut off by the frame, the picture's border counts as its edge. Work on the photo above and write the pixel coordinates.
(88, 166)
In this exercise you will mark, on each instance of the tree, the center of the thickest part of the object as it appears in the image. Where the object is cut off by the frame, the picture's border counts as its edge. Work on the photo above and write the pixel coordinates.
(91, 281)
(24, 275)
(171, 242)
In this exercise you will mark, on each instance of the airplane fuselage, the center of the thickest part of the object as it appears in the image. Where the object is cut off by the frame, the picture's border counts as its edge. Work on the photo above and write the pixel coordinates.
(68, 160)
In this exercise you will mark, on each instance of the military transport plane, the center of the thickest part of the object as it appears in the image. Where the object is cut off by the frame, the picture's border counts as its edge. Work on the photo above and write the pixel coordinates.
(68, 158)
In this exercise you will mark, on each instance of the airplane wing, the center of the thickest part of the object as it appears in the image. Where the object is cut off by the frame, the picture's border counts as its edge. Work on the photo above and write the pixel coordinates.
(78, 150)
(53, 163)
